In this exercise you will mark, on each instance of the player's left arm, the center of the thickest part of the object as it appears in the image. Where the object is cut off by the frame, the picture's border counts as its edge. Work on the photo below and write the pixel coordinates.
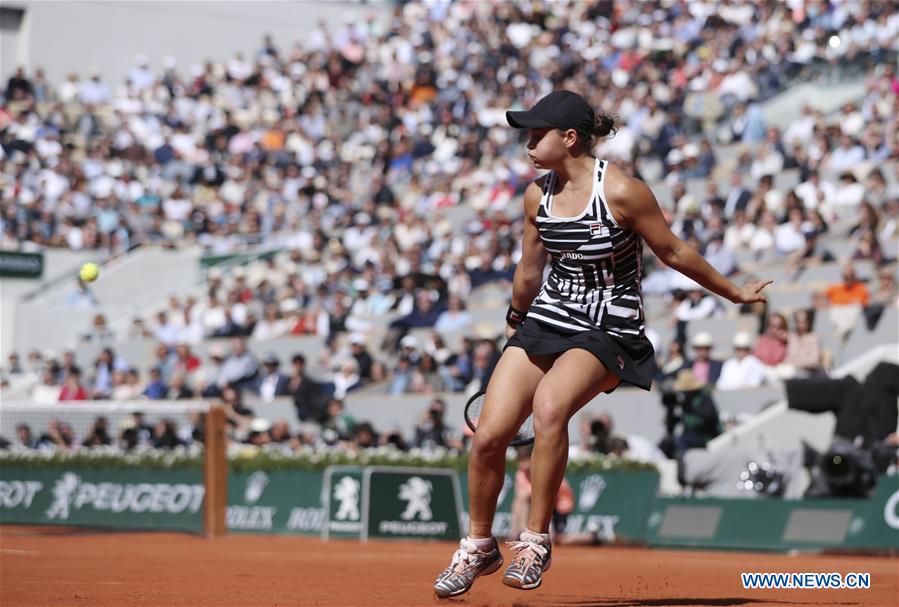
(634, 205)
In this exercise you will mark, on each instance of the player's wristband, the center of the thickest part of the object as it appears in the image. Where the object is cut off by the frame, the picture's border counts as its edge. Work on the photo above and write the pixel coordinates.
(514, 317)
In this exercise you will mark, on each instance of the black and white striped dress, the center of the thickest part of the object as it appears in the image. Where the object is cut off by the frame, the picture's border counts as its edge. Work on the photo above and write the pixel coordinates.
(591, 298)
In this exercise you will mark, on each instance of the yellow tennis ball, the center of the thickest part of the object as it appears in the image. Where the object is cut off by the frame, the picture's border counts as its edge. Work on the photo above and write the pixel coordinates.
(89, 272)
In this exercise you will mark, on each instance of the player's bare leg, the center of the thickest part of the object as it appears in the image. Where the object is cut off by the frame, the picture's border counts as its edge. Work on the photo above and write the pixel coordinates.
(574, 380)
(506, 405)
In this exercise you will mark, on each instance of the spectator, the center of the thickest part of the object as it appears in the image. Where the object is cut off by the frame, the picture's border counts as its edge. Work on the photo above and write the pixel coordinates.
(347, 378)
(338, 424)
(240, 369)
(59, 435)
(209, 376)
(165, 435)
(883, 296)
(272, 383)
(698, 305)
(743, 370)
(402, 376)
(764, 238)
(99, 332)
(850, 291)
(307, 394)
(272, 325)
(424, 314)
(804, 353)
(359, 352)
(692, 415)
(239, 416)
(18, 87)
(103, 368)
(364, 436)
(673, 361)
(868, 248)
(484, 360)
(846, 299)
(771, 346)
(156, 388)
(14, 366)
(521, 501)
(165, 360)
(98, 435)
(719, 256)
(24, 437)
(812, 253)
(186, 361)
(72, 388)
(703, 367)
(166, 332)
(454, 318)
(179, 388)
(426, 378)
(432, 430)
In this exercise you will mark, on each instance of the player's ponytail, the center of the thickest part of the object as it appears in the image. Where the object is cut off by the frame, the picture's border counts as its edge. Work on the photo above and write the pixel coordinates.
(603, 126)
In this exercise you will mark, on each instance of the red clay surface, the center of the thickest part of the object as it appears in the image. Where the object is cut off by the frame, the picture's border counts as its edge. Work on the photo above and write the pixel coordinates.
(49, 567)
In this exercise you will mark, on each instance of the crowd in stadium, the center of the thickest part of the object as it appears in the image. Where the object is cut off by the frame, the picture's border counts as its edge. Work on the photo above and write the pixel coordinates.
(345, 153)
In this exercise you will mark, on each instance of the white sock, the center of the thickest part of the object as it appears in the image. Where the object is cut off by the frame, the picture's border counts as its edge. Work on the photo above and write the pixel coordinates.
(543, 537)
(484, 544)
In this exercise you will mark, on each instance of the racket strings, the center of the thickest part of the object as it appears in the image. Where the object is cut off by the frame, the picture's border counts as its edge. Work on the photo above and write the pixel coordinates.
(524, 435)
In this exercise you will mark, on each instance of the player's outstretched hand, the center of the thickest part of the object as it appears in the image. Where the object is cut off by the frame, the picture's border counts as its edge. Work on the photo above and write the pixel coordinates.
(752, 292)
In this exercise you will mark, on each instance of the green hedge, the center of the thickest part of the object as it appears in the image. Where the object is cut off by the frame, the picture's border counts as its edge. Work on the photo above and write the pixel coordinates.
(247, 459)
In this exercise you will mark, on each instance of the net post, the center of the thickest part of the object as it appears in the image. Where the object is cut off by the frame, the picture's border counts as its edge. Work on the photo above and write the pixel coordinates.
(215, 473)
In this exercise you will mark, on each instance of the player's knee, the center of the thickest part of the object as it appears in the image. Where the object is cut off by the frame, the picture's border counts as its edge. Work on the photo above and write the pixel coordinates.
(549, 417)
(486, 443)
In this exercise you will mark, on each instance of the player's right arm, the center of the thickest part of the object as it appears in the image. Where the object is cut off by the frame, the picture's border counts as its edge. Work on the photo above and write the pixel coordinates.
(529, 273)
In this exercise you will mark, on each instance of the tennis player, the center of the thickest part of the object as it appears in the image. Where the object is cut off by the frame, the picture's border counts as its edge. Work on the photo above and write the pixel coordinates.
(573, 336)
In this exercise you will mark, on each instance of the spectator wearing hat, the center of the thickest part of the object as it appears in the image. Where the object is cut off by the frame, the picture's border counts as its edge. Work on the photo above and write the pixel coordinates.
(692, 415)
(742, 370)
(347, 378)
(359, 352)
(703, 367)
(271, 382)
(405, 365)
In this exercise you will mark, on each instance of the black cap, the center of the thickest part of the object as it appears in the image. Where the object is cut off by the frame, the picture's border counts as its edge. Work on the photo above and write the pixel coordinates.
(558, 110)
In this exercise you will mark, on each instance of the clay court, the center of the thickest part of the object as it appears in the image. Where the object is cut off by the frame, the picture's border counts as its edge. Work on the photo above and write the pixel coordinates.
(40, 566)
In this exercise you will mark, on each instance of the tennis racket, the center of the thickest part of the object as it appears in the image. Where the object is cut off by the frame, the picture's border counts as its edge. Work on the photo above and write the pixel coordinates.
(525, 434)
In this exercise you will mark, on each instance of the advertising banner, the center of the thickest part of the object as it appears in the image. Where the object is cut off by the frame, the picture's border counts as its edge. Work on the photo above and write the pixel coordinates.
(421, 503)
(342, 502)
(119, 499)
